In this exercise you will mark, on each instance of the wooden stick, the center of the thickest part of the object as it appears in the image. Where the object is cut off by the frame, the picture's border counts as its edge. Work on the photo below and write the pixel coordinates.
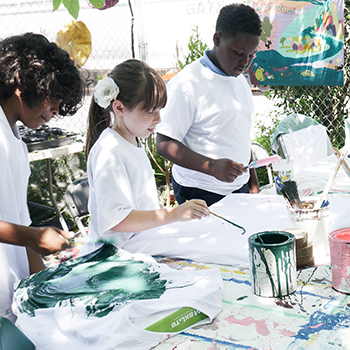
(324, 194)
(344, 164)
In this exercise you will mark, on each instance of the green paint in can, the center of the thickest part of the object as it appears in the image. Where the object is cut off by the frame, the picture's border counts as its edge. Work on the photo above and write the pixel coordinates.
(272, 258)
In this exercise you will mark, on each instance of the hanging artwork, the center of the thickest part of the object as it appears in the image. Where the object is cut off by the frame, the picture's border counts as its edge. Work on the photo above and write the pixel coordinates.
(301, 43)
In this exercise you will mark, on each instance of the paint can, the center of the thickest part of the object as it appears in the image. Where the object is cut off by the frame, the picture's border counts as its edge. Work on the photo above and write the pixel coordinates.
(272, 263)
(315, 222)
(282, 171)
(339, 242)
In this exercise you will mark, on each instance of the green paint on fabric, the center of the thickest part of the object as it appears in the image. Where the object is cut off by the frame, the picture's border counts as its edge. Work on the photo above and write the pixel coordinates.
(102, 281)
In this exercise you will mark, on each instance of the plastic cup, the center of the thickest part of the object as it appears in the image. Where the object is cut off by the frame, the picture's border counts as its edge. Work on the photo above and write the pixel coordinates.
(315, 222)
(282, 171)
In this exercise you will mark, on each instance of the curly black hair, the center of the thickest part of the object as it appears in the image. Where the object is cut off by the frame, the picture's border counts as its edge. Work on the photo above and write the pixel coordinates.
(237, 18)
(40, 70)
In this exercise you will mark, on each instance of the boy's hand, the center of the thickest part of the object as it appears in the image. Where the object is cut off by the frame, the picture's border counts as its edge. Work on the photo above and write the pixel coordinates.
(50, 240)
(193, 209)
(225, 169)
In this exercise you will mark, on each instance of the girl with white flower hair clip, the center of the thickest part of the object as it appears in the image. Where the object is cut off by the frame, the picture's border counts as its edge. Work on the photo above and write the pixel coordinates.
(123, 195)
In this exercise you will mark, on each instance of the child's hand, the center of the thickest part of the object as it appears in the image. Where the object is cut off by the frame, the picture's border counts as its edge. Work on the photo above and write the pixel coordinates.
(193, 209)
(225, 169)
(50, 240)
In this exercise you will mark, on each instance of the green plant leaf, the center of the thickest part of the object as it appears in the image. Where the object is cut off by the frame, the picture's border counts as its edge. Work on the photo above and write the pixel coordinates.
(56, 4)
(97, 3)
(71, 5)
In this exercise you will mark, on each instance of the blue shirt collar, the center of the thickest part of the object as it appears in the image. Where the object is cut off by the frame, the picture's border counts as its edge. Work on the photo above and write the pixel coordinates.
(206, 62)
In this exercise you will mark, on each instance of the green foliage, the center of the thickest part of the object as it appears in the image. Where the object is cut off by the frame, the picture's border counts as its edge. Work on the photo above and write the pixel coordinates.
(265, 130)
(73, 6)
(64, 170)
(196, 49)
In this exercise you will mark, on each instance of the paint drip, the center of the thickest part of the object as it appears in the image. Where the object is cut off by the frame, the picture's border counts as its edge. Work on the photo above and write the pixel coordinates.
(339, 242)
(272, 263)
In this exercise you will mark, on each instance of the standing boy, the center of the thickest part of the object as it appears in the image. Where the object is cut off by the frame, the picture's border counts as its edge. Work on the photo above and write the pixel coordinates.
(205, 128)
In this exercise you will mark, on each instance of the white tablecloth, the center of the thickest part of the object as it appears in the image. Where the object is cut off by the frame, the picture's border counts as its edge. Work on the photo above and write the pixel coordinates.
(213, 240)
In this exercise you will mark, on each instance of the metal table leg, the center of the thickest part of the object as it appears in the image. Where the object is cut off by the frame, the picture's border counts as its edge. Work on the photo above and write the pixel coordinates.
(53, 201)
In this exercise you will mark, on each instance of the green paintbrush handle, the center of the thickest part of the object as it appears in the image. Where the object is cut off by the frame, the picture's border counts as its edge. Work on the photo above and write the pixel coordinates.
(87, 240)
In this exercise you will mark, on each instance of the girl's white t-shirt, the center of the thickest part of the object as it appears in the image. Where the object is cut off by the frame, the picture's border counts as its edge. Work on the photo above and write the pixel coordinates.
(211, 115)
(121, 179)
(14, 175)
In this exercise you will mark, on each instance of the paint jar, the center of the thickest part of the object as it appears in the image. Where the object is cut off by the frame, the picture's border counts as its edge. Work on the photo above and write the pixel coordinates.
(282, 171)
(315, 222)
(339, 242)
(272, 263)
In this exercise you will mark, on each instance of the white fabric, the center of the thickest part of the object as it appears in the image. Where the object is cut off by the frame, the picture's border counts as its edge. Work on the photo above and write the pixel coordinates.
(68, 326)
(213, 240)
(210, 114)
(307, 146)
(14, 174)
(121, 179)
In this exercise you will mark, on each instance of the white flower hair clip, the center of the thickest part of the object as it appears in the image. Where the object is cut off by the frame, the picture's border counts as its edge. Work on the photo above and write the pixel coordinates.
(106, 90)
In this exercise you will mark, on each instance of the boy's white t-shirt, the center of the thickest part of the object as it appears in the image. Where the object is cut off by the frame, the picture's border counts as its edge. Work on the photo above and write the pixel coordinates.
(121, 179)
(211, 115)
(14, 175)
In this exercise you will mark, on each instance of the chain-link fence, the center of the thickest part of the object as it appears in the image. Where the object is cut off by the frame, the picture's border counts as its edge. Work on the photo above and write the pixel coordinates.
(158, 32)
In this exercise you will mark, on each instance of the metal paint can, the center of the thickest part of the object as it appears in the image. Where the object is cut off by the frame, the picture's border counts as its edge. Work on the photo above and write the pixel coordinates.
(272, 258)
(339, 241)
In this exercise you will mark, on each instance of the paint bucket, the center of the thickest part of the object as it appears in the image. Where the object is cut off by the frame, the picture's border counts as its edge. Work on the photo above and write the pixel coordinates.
(282, 171)
(272, 263)
(339, 242)
(315, 222)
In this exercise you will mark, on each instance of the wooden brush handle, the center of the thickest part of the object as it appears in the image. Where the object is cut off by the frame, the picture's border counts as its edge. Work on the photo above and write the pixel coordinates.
(329, 183)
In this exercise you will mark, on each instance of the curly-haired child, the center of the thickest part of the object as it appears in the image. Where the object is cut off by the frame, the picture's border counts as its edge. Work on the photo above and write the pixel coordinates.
(38, 80)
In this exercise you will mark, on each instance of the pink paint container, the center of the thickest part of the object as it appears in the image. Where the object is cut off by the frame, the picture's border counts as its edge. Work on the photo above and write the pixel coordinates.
(339, 243)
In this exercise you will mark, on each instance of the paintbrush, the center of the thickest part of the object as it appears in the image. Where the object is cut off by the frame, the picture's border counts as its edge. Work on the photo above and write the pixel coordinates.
(290, 191)
(344, 164)
(319, 202)
(230, 222)
(263, 162)
(87, 240)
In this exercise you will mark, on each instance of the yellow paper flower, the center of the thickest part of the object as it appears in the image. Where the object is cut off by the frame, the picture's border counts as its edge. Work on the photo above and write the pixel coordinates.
(75, 38)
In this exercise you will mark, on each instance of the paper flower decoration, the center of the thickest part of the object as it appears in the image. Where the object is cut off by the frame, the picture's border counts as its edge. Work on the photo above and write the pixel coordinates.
(75, 38)
(107, 4)
(106, 90)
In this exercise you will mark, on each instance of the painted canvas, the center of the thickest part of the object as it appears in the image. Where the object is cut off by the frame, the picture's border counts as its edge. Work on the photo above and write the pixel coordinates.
(301, 43)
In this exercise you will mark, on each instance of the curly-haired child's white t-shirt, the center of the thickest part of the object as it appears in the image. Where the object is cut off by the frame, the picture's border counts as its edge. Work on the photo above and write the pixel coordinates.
(14, 175)
(121, 179)
(210, 114)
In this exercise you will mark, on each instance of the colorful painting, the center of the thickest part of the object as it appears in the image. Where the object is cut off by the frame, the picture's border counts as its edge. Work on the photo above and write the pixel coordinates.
(301, 43)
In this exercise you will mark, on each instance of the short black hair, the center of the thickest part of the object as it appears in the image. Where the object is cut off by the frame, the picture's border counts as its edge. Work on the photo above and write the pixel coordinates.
(39, 69)
(237, 18)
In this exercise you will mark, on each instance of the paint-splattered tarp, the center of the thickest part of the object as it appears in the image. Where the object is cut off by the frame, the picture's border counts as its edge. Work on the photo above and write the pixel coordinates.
(301, 44)
(315, 317)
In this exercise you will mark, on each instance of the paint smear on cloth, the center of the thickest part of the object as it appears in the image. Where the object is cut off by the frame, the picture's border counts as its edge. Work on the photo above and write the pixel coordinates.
(96, 301)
